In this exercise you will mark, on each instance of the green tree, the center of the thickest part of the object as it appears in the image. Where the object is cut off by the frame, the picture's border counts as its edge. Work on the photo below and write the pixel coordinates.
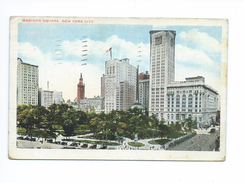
(189, 125)
(95, 124)
(164, 130)
(82, 117)
(69, 123)
(30, 117)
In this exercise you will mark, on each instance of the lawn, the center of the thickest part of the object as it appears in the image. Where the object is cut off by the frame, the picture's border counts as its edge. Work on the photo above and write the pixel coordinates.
(159, 141)
(138, 144)
(175, 134)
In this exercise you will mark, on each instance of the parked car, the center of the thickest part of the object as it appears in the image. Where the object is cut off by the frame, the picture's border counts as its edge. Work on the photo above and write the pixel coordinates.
(68, 147)
(103, 147)
(63, 143)
(74, 144)
(50, 140)
(84, 146)
(20, 138)
(93, 147)
(26, 138)
(33, 139)
(212, 130)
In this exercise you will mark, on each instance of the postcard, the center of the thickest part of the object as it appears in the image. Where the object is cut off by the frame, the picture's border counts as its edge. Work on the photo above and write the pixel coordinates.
(117, 88)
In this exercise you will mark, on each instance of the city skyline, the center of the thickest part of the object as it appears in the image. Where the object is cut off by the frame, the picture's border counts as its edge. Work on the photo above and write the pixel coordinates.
(199, 53)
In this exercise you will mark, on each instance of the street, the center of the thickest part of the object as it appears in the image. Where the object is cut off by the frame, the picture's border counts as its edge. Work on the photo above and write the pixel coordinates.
(200, 142)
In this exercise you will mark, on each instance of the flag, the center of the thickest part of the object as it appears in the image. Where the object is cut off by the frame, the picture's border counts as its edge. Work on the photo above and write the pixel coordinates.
(109, 50)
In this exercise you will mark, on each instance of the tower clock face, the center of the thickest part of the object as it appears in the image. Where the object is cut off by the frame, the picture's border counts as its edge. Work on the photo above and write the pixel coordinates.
(158, 40)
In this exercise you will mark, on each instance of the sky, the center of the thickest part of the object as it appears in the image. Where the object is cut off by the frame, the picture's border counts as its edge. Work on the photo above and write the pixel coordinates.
(58, 48)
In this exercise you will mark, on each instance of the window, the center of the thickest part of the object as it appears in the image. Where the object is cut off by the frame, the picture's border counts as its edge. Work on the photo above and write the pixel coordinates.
(158, 40)
(183, 101)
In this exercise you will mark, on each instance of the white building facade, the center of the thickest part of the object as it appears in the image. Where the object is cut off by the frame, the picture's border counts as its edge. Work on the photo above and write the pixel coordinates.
(120, 84)
(96, 103)
(162, 69)
(144, 93)
(191, 99)
(176, 101)
(47, 97)
(27, 83)
(57, 97)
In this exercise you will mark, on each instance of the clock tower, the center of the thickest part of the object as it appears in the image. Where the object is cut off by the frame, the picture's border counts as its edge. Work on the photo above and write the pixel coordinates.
(80, 89)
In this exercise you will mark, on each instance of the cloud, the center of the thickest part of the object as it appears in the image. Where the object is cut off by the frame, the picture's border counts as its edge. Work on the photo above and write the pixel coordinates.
(32, 52)
(191, 56)
(211, 78)
(96, 51)
(63, 75)
(200, 40)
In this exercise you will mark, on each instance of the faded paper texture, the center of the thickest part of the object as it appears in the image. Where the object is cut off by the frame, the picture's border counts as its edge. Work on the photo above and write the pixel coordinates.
(117, 88)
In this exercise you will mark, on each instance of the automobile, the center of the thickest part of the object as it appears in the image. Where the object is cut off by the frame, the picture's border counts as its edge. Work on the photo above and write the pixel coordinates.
(20, 138)
(212, 130)
(50, 140)
(33, 139)
(103, 147)
(63, 143)
(57, 142)
(26, 138)
(84, 146)
(93, 147)
(74, 144)
(68, 147)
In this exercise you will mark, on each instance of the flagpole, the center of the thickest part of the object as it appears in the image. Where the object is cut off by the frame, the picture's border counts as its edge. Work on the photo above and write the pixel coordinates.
(111, 53)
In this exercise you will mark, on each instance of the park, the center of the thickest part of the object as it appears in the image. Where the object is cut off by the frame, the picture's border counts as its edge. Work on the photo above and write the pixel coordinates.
(62, 125)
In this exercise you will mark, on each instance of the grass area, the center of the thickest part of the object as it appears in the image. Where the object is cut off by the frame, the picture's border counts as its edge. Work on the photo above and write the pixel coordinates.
(81, 132)
(35, 133)
(84, 127)
(138, 144)
(182, 140)
(159, 141)
(21, 131)
(175, 134)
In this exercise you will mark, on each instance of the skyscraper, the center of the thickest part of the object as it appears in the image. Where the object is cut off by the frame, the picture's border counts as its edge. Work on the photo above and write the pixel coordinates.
(80, 89)
(120, 84)
(162, 56)
(177, 100)
(144, 90)
(27, 86)
(46, 97)
(103, 86)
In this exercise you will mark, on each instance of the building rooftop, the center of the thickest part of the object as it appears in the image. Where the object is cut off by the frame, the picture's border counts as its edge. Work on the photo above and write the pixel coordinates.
(26, 63)
(156, 31)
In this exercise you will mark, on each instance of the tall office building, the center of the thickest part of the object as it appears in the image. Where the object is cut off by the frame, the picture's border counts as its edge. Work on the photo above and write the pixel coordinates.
(80, 89)
(144, 90)
(57, 97)
(162, 69)
(46, 97)
(120, 84)
(103, 86)
(177, 100)
(27, 83)
(143, 75)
